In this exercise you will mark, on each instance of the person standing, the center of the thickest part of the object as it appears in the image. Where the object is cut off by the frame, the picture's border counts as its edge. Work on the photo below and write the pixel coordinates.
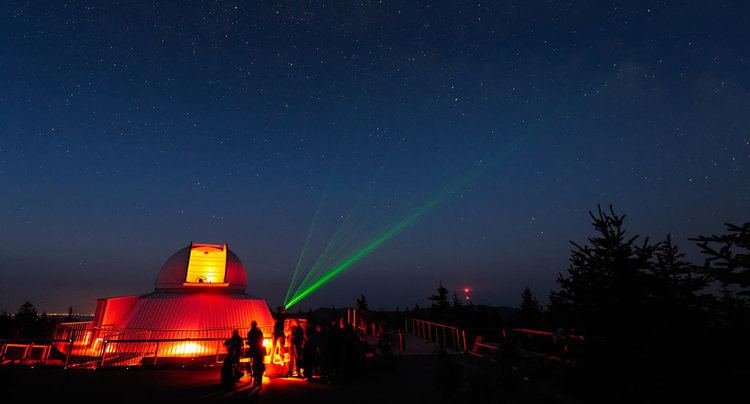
(296, 355)
(230, 372)
(310, 350)
(234, 346)
(257, 353)
(279, 338)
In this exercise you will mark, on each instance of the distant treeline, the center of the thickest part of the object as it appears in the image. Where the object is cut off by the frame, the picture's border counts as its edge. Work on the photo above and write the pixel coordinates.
(26, 325)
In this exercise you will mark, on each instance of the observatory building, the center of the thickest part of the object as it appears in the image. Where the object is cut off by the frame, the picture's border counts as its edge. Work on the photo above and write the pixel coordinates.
(198, 300)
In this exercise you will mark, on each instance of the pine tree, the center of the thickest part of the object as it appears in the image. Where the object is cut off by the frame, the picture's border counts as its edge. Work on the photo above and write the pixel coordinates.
(603, 293)
(362, 305)
(728, 264)
(440, 300)
(26, 321)
(674, 281)
(456, 300)
(531, 312)
(69, 316)
(728, 260)
(26, 314)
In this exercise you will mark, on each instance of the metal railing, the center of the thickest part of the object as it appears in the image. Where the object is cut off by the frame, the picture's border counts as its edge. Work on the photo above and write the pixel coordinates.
(83, 345)
(24, 353)
(551, 345)
(446, 337)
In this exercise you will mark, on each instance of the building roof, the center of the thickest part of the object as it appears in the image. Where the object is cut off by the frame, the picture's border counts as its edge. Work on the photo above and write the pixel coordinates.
(195, 311)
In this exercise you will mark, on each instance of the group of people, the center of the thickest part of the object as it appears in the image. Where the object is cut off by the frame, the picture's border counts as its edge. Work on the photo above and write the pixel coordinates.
(256, 352)
(331, 351)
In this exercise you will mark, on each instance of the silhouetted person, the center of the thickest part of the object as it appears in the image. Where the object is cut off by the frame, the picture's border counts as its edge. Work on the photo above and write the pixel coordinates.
(234, 346)
(311, 350)
(298, 338)
(279, 338)
(348, 348)
(257, 352)
(230, 372)
(385, 341)
(329, 351)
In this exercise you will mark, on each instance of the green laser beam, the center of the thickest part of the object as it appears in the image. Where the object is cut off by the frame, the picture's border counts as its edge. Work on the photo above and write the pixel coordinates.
(301, 293)
(315, 269)
(358, 237)
(329, 252)
(295, 275)
(371, 246)
(311, 231)
(359, 255)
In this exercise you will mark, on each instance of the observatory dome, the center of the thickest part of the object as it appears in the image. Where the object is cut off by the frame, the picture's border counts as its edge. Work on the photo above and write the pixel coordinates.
(200, 266)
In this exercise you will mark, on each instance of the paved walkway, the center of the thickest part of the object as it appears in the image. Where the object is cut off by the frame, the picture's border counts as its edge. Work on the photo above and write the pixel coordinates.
(414, 346)
(404, 379)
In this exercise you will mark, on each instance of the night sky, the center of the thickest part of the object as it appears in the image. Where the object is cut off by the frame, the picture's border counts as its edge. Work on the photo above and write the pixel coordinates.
(129, 129)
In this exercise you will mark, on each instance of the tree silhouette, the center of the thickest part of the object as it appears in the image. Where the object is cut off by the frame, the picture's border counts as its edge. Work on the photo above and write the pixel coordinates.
(642, 307)
(728, 260)
(604, 291)
(69, 316)
(440, 300)
(26, 313)
(531, 312)
(673, 283)
(25, 321)
(456, 300)
(362, 305)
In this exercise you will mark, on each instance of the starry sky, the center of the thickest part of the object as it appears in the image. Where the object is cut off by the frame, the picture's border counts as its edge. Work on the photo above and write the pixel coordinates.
(128, 129)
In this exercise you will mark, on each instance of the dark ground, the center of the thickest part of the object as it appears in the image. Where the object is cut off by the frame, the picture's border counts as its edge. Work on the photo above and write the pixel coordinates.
(412, 379)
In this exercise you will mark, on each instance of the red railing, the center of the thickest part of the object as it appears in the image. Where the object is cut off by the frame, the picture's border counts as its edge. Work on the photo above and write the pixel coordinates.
(83, 345)
(24, 353)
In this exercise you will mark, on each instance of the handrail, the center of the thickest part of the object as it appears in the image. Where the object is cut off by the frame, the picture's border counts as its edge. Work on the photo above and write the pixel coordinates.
(83, 344)
(446, 337)
(451, 337)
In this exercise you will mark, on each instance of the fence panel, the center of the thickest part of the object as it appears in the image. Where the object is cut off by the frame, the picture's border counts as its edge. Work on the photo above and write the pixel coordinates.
(445, 337)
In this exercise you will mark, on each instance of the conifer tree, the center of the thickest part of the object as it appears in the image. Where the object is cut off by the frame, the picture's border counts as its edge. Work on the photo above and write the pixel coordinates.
(531, 312)
(604, 292)
(362, 305)
(440, 300)
(728, 260)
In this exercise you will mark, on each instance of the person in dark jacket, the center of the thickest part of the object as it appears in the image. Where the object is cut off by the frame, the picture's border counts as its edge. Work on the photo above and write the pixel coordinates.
(279, 338)
(311, 350)
(257, 353)
(298, 338)
(231, 373)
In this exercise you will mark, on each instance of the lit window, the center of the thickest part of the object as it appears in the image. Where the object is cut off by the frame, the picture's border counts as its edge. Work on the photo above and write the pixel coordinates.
(207, 264)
